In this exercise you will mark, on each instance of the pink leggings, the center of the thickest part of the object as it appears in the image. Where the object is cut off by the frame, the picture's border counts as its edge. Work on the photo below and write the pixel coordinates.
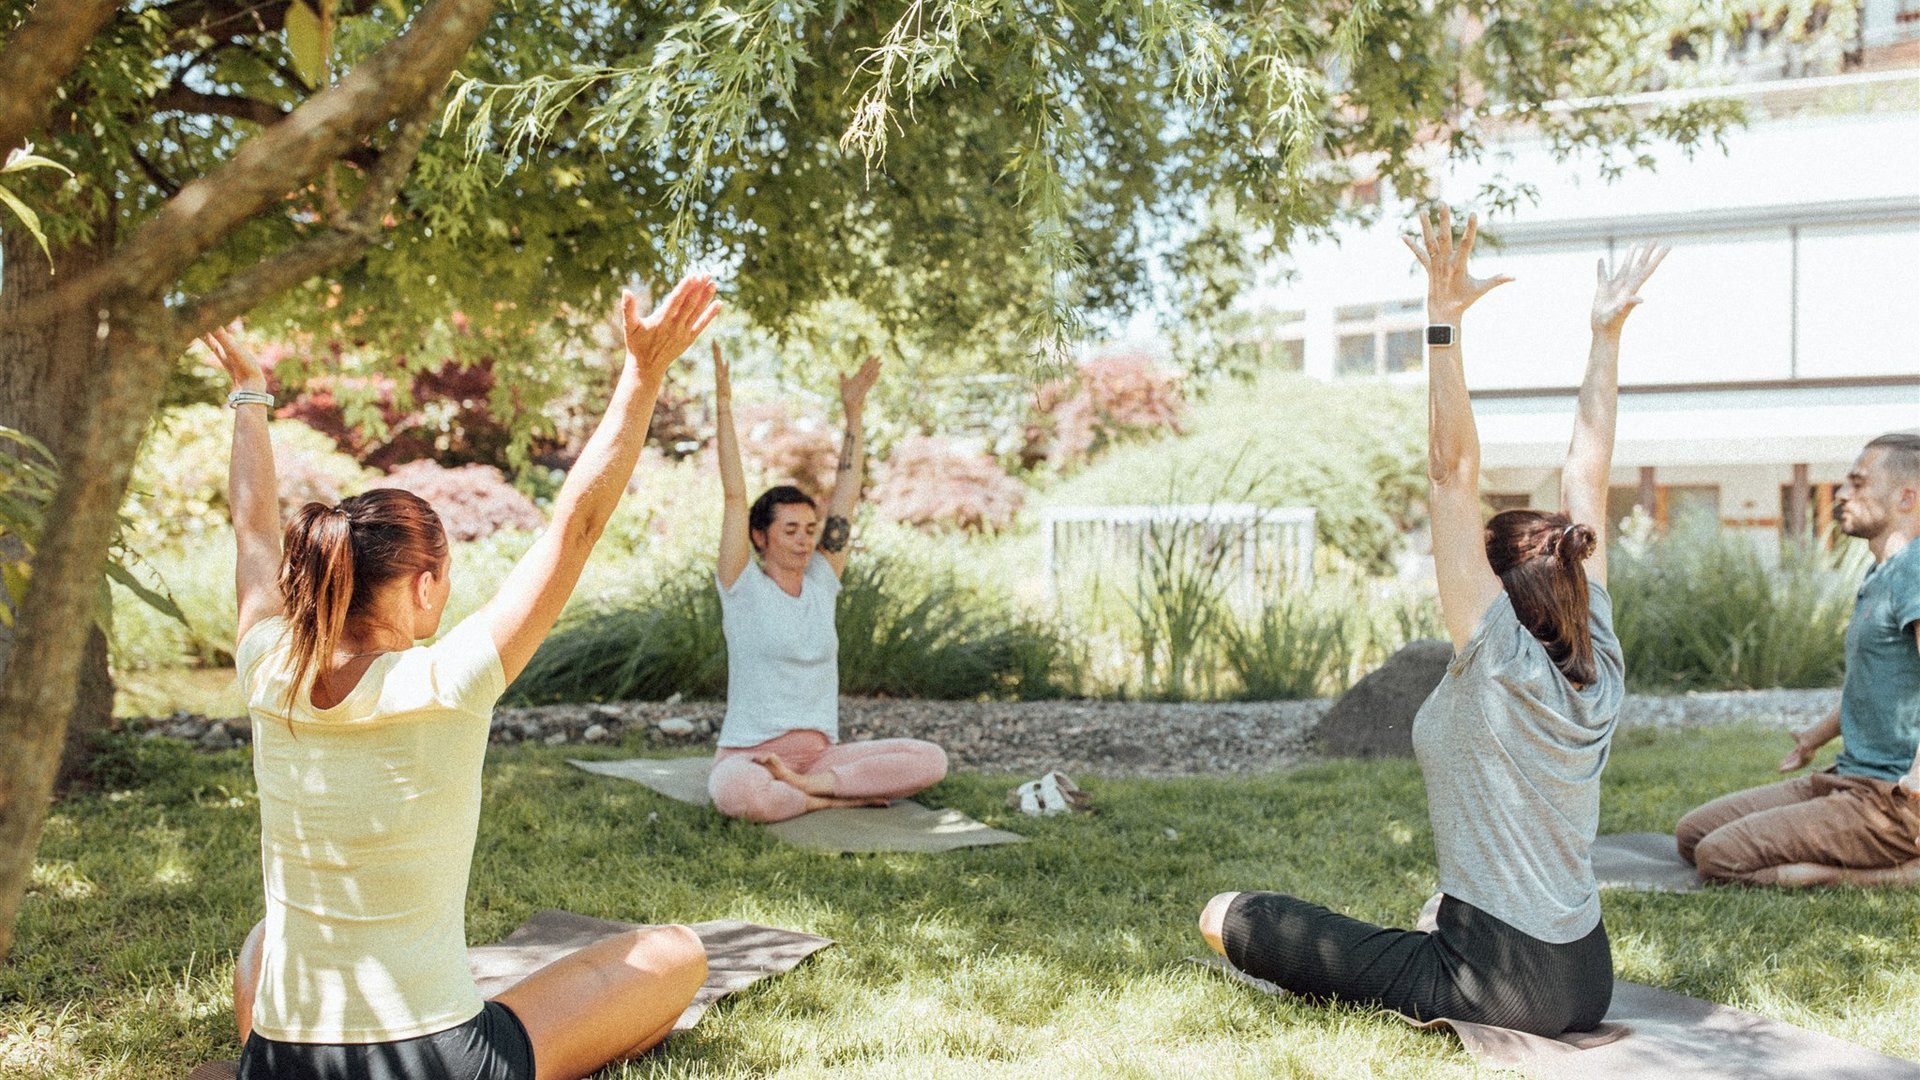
(880, 769)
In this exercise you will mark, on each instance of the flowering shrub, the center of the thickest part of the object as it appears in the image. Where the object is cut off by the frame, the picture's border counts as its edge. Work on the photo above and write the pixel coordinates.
(179, 489)
(473, 501)
(801, 451)
(449, 416)
(1113, 397)
(934, 481)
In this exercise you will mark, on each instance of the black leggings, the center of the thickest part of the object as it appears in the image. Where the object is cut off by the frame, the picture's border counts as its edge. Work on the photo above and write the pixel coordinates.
(1472, 967)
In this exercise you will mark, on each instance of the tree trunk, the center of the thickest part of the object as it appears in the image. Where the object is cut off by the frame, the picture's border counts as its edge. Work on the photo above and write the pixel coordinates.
(38, 395)
(128, 357)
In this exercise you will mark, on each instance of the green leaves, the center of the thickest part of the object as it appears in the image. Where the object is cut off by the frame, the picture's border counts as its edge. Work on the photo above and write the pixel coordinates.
(20, 161)
(29, 476)
(306, 42)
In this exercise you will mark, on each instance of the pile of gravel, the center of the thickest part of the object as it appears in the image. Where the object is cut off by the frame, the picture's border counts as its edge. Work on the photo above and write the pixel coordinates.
(1099, 738)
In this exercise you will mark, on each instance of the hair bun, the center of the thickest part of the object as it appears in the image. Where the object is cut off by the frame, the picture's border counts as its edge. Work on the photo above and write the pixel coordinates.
(1576, 543)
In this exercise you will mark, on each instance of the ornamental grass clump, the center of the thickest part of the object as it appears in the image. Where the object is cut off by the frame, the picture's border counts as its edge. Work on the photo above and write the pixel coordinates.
(1702, 610)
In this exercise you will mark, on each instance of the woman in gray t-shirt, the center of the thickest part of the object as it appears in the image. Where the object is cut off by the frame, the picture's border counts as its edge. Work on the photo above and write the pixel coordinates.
(1512, 741)
(780, 753)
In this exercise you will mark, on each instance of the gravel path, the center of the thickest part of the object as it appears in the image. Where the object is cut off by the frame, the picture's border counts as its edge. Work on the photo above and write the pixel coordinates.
(1096, 738)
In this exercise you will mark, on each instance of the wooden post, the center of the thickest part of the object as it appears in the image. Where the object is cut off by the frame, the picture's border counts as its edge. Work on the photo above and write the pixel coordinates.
(1796, 524)
(1648, 490)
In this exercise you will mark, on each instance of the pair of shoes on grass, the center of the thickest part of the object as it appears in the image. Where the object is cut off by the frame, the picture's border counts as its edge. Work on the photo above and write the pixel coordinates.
(1053, 793)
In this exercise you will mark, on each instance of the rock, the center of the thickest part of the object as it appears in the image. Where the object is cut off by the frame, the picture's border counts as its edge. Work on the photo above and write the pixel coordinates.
(676, 726)
(190, 730)
(1375, 718)
(530, 730)
(596, 733)
(558, 738)
(216, 738)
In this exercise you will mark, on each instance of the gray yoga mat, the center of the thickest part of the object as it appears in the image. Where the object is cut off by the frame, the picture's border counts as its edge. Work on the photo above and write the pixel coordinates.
(903, 826)
(739, 954)
(1645, 860)
(1654, 1033)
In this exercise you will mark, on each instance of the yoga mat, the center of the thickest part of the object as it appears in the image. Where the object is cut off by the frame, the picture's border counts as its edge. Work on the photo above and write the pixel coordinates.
(1649, 1032)
(739, 954)
(684, 779)
(903, 826)
(1644, 861)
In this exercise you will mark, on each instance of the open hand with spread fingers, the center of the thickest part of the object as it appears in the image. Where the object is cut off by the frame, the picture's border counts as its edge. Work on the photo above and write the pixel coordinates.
(235, 360)
(853, 388)
(1450, 289)
(1616, 293)
(656, 340)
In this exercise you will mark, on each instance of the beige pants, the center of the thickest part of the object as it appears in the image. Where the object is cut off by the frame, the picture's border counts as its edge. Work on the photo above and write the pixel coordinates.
(1826, 819)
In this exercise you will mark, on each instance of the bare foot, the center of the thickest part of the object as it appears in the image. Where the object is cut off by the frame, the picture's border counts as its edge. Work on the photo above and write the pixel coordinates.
(814, 784)
(1802, 875)
(831, 802)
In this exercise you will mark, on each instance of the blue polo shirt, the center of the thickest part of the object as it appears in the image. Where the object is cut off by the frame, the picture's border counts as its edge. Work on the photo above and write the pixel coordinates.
(1880, 704)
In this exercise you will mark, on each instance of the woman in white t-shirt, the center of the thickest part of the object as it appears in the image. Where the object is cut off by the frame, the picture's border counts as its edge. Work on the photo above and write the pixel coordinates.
(367, 752)
(780, 753)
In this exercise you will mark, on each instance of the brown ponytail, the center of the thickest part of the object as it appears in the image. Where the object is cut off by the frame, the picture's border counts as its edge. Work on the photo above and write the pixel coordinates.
(338, 557)
(1539, 556)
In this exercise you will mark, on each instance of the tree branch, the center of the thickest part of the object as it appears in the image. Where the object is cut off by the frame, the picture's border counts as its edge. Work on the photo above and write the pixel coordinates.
(344, 239)
(44, 50)
(224, 20)
(182, 99)
(285, 156)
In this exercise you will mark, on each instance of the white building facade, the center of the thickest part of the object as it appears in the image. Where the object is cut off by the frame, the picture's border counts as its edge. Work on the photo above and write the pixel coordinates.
(1780, 335)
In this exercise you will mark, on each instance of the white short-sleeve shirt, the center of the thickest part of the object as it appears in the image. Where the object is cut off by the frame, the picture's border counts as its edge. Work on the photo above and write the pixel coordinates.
(783, 655)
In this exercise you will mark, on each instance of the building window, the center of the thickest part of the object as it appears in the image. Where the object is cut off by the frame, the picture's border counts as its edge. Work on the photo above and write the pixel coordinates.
(1509, 501)
(1379, 339)
(1673, 505)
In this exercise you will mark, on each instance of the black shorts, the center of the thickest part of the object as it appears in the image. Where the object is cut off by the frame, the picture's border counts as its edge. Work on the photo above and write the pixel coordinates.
(491, 1046)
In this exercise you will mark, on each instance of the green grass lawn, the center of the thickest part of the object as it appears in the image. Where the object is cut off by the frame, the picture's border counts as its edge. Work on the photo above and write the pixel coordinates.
(1058, 958)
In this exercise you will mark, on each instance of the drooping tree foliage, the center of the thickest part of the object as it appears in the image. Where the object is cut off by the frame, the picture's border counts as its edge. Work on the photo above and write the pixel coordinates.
(974, 177)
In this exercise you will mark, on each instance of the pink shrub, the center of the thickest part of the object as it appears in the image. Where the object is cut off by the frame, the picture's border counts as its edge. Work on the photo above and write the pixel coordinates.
(935, 481)
(473, 501)
(1111, 398)
(801, 451)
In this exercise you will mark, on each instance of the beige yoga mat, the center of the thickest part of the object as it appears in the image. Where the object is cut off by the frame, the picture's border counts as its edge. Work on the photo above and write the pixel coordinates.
(1659, 1035)
(1646, 861)
(903, 826)
(739, 954)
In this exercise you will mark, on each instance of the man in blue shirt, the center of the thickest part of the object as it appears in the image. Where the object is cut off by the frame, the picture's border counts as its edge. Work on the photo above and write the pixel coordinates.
(1857, 823)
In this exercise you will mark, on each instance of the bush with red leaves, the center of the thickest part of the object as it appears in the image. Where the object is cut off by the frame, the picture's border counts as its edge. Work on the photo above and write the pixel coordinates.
(473, 501)
(1112, 398)
(451, 418)
(935, 481)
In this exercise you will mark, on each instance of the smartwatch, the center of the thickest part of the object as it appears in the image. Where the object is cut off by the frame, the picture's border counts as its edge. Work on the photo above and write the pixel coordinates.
(1441, 334)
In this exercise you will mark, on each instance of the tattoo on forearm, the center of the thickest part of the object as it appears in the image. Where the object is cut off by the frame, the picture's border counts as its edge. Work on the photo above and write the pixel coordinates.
(848, 454)
(834, 534)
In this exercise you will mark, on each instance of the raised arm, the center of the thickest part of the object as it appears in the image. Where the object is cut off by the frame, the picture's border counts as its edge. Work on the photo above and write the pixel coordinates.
(1467, 583)
(1583, 483)
(253, 495)
(735, 548)
(838, 528)
(536, 590)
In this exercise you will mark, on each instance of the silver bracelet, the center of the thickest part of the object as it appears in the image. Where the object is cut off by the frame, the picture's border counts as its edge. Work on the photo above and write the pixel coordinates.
(249, 397)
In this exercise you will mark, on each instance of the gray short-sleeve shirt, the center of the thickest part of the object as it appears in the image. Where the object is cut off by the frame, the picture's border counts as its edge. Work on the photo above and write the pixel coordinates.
(1512, 754)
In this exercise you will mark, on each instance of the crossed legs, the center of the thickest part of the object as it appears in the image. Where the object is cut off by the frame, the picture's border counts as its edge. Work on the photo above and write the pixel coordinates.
(1822, 829)
(800, 771)
(612, 1000)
